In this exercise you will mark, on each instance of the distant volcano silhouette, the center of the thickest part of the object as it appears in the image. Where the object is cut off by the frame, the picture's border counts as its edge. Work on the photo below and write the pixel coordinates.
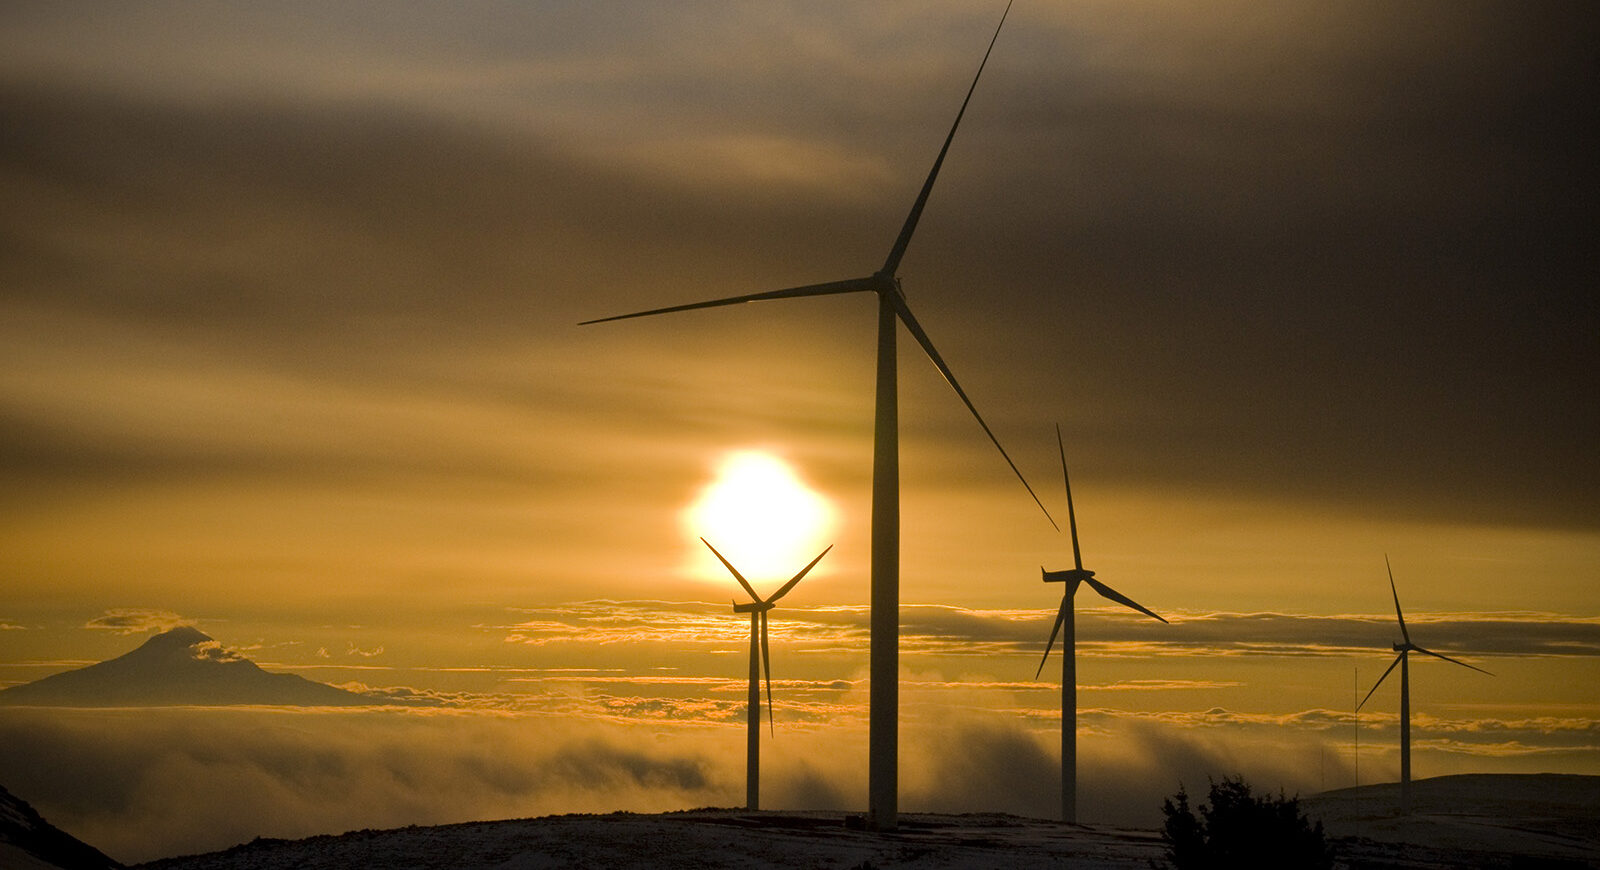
(181, 667)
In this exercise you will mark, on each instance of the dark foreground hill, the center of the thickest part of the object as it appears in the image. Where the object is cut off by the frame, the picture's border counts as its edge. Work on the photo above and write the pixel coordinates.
(28, 842)
(180, 667)
(1511, 822)
(1523, 821)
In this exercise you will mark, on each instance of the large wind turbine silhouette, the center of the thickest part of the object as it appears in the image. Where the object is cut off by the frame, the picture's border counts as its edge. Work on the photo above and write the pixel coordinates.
(1069, 667)
(1405, 648)
(883, 693)
(760, 660)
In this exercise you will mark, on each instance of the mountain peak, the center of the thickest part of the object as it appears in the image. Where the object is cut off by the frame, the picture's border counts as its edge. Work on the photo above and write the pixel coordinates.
(182, 666)
(179, 637)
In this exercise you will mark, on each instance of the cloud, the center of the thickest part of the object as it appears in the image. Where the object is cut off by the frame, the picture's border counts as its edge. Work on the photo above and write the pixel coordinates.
(152, 783)
(1001, 768)
(170, 782)
(792, 709)
(1504, 633)
(927, 629)
(133, 620)
(1493, 736)
(214, 651)
(612, 622)
(412, 697)
(799, 784)
(1355, 253)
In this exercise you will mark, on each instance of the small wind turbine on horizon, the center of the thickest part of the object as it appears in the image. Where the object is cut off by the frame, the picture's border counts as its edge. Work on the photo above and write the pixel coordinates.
(1069, 667)
(1404, 649)
(760, 659)
(883, 686)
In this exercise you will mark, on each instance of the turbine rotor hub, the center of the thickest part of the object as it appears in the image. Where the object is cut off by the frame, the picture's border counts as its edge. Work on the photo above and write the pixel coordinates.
(1071, 575)
(883, 282)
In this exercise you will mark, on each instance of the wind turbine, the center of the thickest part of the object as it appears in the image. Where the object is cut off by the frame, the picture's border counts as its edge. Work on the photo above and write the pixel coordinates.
(759, 658)
(884, 697)
(1069, 666)
(1404, 649)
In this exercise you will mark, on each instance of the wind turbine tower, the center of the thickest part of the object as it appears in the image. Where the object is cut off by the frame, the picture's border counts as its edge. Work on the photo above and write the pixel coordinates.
(760, 659)
(1404, 648)
(884, 657)
(1065, 626)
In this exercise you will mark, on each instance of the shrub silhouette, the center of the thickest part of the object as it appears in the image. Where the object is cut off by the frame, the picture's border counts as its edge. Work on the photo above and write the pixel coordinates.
(1239, 831)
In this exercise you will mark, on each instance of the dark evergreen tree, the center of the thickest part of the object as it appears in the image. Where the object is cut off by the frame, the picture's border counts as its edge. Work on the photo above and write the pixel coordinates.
(1239, 831)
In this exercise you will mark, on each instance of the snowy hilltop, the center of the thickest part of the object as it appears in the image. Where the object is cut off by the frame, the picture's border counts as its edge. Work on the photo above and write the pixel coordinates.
(1488, 820)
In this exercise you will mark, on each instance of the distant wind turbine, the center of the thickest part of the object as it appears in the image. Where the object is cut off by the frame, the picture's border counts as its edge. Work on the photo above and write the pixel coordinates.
(759, 659)
(1069, 667)
(884, 695)
(1404, 649)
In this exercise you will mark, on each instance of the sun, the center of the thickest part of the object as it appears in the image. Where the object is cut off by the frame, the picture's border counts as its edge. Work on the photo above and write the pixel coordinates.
(761, 516)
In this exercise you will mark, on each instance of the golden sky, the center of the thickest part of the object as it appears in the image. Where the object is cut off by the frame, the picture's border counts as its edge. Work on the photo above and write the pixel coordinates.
(288, 349)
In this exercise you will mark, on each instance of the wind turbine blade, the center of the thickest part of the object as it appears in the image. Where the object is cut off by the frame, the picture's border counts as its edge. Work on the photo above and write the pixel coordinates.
(1398, 615)
(1061, 619)
(915, 329)
(892, 264)
(735, 571)
(1380, 681)
(1430, 652)
(784, 589)
(1107, 592)
(854, 285)
(766, 662)
(1072, 517)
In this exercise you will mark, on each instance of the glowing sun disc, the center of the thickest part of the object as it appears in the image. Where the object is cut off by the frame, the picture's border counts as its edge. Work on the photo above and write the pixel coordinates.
(761, 516)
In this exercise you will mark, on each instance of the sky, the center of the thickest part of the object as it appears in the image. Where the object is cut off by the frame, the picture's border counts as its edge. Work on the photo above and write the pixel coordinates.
(289, 351)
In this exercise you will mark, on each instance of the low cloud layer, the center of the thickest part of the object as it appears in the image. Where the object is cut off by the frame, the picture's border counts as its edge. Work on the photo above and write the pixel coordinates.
(149, 784)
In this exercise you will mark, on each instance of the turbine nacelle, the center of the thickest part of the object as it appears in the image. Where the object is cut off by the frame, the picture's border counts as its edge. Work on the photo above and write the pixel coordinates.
(753, 607)
(1073, 576)
(884, 282)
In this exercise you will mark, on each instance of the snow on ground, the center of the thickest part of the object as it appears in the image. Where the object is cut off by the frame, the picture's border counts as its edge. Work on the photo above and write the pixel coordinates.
(1492, 821)
(1496, 820)
(704, 839)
